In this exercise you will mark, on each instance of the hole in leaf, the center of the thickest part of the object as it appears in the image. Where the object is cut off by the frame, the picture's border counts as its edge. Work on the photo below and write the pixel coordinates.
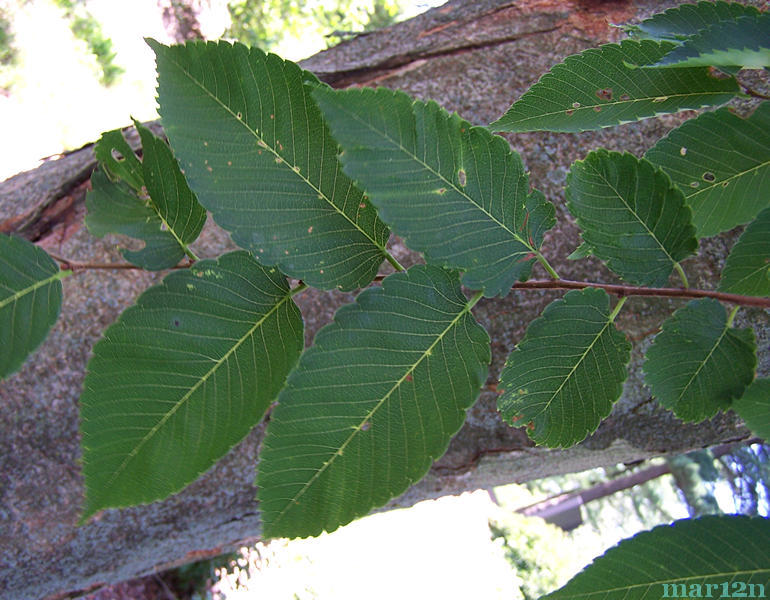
(660, 99)
(576, 105)
(117, 155)
(694, 184)
(625, 97)
(570, 112)
(366, 426)
(597, 108)
(176, 322)
(461, 177)
(709, 176)
(683, 151)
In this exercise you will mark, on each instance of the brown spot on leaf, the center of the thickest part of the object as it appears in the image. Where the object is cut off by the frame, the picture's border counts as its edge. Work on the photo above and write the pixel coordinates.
(604, 94)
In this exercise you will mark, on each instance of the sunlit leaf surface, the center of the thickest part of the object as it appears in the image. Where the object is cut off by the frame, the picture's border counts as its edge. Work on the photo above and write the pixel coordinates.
(182, 376)
(567, 372)
(600, 87)
(688, 559)
(257, 153)
(721, 163)
(372, 403)
(631, 215)
(452, 191)
(30, 299)
(687, 365)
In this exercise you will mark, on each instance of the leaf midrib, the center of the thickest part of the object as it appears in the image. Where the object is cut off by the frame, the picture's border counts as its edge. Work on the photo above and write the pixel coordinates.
(275, 153)
(590, 107)
(29, 289)
(156, 207)
(725, 329)
(191, 391)
(340, 451)
(737, 176)
(448, 182)
(577, 364)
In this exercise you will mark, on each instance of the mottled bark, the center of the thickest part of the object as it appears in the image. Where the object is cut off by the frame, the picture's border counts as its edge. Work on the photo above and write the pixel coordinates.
(472, 57)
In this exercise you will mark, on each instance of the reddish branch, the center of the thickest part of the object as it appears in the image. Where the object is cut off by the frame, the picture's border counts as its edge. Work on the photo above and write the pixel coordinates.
(76, 267)
(534, 284)
(628, 290)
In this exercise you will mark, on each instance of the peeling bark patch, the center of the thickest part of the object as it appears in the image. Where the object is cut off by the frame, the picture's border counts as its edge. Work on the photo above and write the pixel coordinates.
(52, 224)
(594, 18)
(435, 29)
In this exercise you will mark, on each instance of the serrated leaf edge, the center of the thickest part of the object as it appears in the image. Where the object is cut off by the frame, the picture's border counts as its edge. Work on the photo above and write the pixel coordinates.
(58, 276)
(450, 183)
(359, 428)
(656, 170)
(190, 392)
(279, 159)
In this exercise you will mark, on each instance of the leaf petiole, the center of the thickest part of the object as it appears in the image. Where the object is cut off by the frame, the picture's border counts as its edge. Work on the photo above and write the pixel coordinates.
(546, 265)
(682, 274)
(616, 310)
(392, 260)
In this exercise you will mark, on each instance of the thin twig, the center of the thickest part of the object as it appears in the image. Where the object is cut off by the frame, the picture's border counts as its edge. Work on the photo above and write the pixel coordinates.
(533, 284)
(627, 290)
(75, 266)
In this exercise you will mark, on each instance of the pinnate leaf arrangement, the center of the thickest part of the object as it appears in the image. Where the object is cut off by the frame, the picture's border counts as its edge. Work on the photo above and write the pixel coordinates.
(310, 182)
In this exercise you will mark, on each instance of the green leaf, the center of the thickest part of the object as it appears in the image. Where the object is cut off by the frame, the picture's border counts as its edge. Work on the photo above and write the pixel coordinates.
(692, 558)
(372, 404)
(747, 270)
(454, 192)
(566, 374)
(118, 160)
(113, 207)
(684, 21)
(182, 376)
(598, 88)
(754, 408)
(30, 299)
(166, 216)
(744, 42)
(256, 151)
(722, 164)
(181, 214)
(699, 363)
(582, 251)
(631, 216)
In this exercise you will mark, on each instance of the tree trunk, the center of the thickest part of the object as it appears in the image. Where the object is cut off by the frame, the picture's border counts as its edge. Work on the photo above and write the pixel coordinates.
(472, 57)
